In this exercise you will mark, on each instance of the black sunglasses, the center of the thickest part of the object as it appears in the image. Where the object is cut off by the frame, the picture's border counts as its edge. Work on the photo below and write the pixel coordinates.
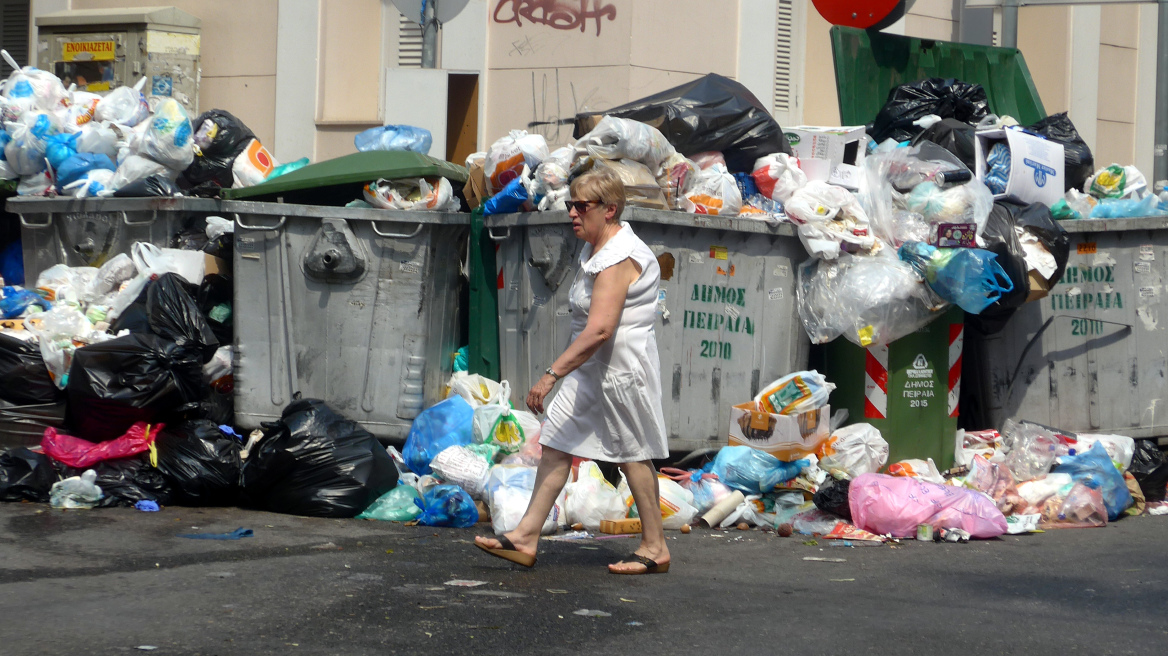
(581, 206)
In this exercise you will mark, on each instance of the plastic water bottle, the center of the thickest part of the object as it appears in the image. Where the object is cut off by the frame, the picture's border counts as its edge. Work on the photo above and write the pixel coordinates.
(76, 492)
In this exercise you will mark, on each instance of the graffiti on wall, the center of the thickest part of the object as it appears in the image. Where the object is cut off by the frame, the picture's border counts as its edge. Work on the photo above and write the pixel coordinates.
(554, 105)
(556, 14)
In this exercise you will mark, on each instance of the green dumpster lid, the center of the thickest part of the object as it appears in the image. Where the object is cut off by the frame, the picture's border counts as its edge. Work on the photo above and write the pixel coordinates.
(8, 187)
(870, 64)
(339, 181)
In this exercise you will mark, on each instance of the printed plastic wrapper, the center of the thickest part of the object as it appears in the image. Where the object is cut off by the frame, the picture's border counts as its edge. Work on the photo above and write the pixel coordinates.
(124, 105)
(711, 113)
(925, 470)
(76, 452)
(507, 157)
(253, 165)
(508, 429)
(996, 480)
(394, 137)
(434, 195)
(465, 466)
(778, 176)
(397, 505)
(317, 463)
(436, 429)
(1095, 469)
(168, 139)
(1116, 181)
(868, 300)
(984, 443)
(447, 505)
(715, 192)
(618, 138)
(591, 499)
(892, 505)
(853, 450)
(802, 391)
(753, 471)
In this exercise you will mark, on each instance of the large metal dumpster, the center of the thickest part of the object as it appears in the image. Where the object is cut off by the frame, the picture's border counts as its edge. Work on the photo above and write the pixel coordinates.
(89, 231)
(726, 320)
(1093, 355)
(359, 307)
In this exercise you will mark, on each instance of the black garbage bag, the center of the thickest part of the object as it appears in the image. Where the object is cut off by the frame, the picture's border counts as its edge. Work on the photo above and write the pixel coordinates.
(126, 481)
(24, 379)
(221, 138)
(26, 476)
(316, 462)
(1002, 240)
(834, 499)
(200, 463)
(1035, 218)
(134, 318)
(710, 113)
(947, 98)
(129, 379)
(1150, 469)
(174, 315)
(1079, 162)
(150, 186)
(215, 298)
(954, 136)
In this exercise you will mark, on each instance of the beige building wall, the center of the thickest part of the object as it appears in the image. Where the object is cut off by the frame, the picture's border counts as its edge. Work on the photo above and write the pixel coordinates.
(238, 55)
(933, 19)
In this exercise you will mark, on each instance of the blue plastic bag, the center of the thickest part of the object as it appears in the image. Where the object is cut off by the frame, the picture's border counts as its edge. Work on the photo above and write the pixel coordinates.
(16, 301)
(751, 470)
(439, 427)
(394, 137)
(60, 147)
(968, 277)
(12, 264)
(508, 201)
(74, 168)
(1094, 469)
(447, 505)
(1129, 208)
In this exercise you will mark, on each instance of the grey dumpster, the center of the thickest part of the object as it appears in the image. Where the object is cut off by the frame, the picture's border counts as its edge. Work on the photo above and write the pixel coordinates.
(358, 307)
(1093, 355)
(89, 231)
(727, 320)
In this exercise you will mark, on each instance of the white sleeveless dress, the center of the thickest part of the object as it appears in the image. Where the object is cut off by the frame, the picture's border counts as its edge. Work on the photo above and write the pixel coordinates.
(610, 408)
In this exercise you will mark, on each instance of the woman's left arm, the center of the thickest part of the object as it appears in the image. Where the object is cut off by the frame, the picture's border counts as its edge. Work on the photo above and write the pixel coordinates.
(609, 291)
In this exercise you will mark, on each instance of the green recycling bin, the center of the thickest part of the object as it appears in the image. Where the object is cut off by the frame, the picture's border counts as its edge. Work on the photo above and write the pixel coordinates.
(907, 389)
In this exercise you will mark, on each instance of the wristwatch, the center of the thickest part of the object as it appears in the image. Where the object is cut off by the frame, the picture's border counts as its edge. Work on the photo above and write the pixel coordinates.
(553, 374)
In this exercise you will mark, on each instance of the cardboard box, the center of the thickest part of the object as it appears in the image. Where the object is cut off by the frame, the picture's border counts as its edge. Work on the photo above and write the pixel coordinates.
(475, 189)
(1039, 287)
(1036, 165)
(843, 147)
(786, 437)
(213, 265)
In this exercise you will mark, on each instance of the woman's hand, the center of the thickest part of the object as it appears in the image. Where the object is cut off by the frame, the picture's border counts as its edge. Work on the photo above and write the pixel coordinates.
(539, 391)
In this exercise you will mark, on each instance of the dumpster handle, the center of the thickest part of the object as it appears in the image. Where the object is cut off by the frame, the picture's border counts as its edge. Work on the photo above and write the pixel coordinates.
(26, 224)
(494, 237)
(245, 226)
(397, 236)
(127, 221)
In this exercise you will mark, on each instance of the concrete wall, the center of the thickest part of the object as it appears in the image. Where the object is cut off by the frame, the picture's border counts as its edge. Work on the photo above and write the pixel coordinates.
(238, 55)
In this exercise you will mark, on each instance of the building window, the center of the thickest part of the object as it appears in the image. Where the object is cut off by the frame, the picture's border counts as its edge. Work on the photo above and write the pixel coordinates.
(14, 30)
(409, 43)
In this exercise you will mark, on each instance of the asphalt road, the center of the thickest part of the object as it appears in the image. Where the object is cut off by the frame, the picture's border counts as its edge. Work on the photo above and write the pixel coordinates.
(112, 581)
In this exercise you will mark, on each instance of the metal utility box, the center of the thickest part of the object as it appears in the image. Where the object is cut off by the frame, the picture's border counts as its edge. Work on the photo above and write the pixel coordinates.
(727, 320)
(102, 49)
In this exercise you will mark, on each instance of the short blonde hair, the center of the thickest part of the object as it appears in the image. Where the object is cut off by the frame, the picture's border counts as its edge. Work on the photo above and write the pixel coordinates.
(602, 184)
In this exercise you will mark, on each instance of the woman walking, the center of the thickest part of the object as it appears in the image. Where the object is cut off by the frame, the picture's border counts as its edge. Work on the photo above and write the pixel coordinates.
(609, 405)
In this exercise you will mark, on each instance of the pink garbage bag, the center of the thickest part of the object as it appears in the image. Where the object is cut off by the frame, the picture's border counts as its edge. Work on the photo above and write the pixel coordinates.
(897, 505)
(79, 453)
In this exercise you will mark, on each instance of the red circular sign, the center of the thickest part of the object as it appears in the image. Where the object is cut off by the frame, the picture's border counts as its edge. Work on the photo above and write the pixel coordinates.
(864, 14)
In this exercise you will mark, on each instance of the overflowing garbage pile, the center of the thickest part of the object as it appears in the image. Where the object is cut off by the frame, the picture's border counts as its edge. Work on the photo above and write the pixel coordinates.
(60, 141)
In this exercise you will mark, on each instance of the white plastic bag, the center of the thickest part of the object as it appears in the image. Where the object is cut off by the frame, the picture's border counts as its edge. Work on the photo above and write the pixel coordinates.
(124, 105)
(677, 507)
(591, 499)
(1120, 448)
(168, 137)
(506, 158)
(30, 88)
(65, 284)
(479, 390)
(619, 138)
(81, 110)
(778, 176)
(96, 137)
(715, 192)
(831, 220)
(134, 168)
(37, 184)
(509, 429)
(150, 260)
(92, 184)
(508, 491)
(218, 226)
(435, 195)
(57, 331)
(854, 450)
(25, 151)
(220, 365)
(463, 467)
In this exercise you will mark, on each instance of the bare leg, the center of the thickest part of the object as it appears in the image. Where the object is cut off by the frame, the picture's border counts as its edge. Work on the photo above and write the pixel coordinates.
(554, 467)
(642, 478)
